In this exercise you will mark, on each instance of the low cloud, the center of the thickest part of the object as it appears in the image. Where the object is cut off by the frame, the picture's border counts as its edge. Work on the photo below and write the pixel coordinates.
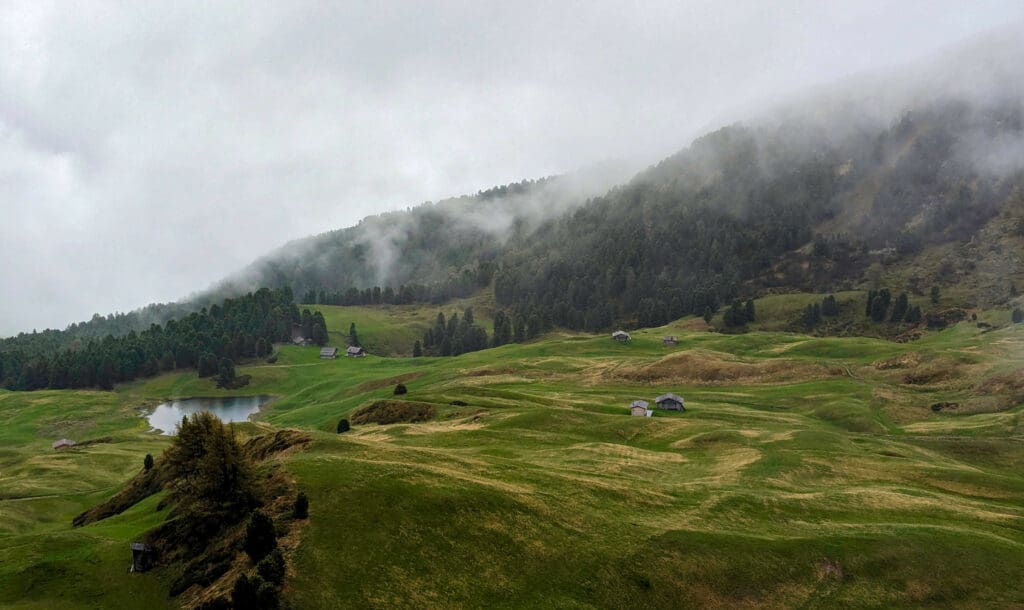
(148, 151)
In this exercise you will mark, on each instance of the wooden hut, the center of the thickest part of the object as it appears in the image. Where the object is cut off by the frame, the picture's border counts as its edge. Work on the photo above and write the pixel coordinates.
(670, 402)
(621, 336)
(142, 557)
(668, 340)
(638, 408)
(355, 352)
(329, 353)
(63, 443)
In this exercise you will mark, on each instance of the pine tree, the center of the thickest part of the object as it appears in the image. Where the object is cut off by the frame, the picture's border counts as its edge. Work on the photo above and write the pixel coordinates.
(301, 508)
(417, 350)
(353, 336)
(935, 295)
(226, 373)
(260, 537)
(899, 310)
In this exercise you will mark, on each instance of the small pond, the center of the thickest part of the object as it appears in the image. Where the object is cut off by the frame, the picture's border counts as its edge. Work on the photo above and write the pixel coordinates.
(166, 417)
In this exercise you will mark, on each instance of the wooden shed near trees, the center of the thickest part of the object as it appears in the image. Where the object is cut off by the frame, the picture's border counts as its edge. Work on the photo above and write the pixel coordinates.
(143, 557)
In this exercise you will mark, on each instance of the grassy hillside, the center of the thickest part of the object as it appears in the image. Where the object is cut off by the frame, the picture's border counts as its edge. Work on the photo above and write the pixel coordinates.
(391, 330)
(806, 471)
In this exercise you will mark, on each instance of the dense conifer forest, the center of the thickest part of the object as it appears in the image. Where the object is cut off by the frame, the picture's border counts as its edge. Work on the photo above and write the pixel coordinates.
(209, 340)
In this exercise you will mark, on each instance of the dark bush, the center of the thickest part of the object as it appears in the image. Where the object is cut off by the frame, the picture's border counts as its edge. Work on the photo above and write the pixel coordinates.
(1017, 316)
(147, 462)
(401, 389)
(267, 597)
(243, 594)
(271, 568)
(301, 508)
(459, 403)
(260, 537)
(217, 603)
(271, 359)
(343, 426)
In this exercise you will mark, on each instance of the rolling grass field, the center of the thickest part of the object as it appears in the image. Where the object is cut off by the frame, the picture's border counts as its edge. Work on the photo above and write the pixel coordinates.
(806, 472)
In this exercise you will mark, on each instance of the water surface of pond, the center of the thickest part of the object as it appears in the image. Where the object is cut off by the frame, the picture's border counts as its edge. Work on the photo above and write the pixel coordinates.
(166, 417)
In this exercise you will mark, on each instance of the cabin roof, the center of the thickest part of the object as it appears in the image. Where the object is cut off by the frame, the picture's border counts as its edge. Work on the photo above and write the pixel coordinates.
(63, 441)
(639, 403)
(138, 546)
(328, 351)
(354, 350)
(669, 396)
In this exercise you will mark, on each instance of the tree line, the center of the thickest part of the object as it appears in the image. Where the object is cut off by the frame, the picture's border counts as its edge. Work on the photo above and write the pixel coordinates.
(243, 327)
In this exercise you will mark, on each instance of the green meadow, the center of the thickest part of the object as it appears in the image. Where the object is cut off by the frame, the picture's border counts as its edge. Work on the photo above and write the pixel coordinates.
(806, 472)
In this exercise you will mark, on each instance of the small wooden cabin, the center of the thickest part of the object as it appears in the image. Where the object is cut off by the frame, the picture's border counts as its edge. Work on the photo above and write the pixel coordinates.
(329, 353)
(355, 352)
(142, 557)
(669, 340)
(63, 443)
(638, 408)
(621, 336)
(670, 402)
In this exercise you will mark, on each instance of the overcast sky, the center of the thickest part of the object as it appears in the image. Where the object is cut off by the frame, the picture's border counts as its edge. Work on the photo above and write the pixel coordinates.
(148, 149)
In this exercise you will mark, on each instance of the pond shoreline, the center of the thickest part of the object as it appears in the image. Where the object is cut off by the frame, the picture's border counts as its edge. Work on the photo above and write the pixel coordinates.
(165, 416)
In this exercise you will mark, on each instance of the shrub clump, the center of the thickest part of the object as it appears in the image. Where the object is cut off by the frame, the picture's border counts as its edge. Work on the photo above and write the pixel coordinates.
(255, 593)
(400, 389)
(301, 508)
(271, 568)
(393, 412)
(260, 537)
(343, 426)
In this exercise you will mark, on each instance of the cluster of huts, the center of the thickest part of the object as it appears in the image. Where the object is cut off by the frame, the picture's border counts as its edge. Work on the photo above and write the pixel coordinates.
(622, 337)
(326, 353)
(667, 402)
(330, 353)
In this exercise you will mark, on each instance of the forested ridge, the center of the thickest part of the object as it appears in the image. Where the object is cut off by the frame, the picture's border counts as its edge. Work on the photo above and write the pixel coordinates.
(690, 233)
(747, 209)
(238, 328)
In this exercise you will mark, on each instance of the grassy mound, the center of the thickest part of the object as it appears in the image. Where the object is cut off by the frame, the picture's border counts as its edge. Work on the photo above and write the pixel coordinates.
(711, 367)
(393, 412)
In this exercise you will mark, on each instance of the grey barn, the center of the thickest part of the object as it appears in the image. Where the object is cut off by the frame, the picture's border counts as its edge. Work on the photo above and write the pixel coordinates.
(671, 402)
(142, 557)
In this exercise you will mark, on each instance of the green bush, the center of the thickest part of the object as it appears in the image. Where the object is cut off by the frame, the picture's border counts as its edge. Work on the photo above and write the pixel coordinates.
(301, 508)
(243, 594)
(343, 426)
(260, 537)
(272, 568)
